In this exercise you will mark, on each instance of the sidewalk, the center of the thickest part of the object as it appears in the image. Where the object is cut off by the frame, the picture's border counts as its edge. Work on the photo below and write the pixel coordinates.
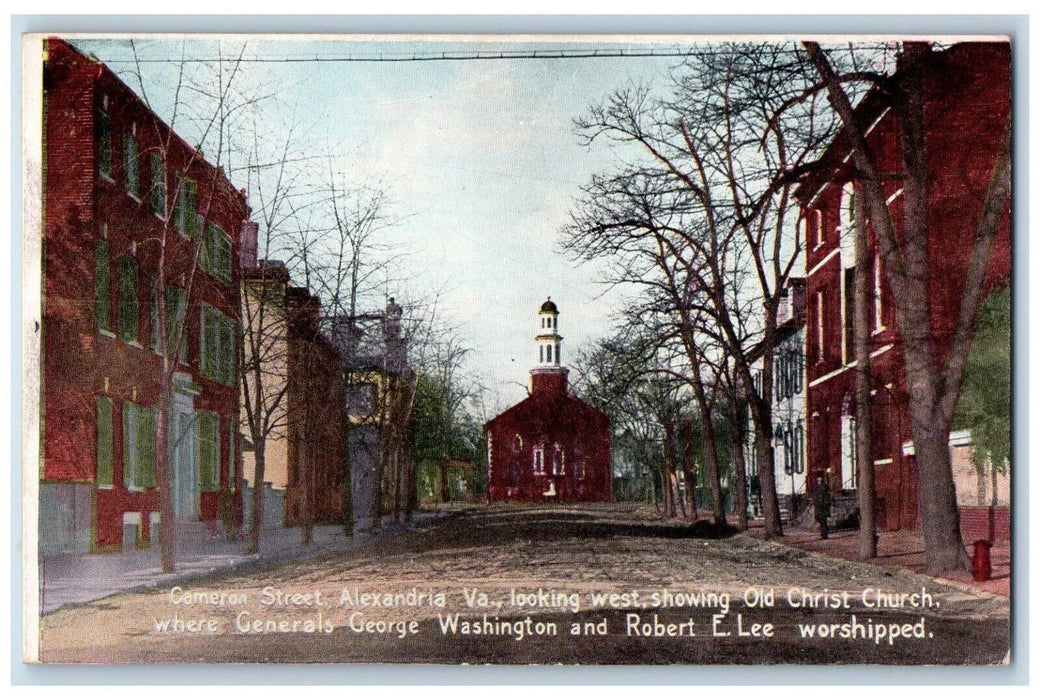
(901, 550)
(70, 579)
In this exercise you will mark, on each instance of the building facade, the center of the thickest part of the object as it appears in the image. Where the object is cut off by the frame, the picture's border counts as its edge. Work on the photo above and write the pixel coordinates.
(316, 421)
(789, 427)
(967, 98)
(293, 397)
(550, 447)
(125, 199)
(380, 398)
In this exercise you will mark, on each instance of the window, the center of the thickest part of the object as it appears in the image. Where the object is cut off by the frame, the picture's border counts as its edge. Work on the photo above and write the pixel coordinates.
(782, 448)
(579, 471)
(557, 460)
(102, 293)
(879, 316)
(186, 211)
(104, 441)
(848, 318)
(548, 353)
(819, 326)
(104, 139)
(158, 197)
(209, 450)
(176, 312)
(848, 207)
(799, 369)
(138, 446)
(128, 302)
(215, 256)
(216, 346)
(541, 353)
(557, 353)
(539, 460)
(130, 174)
(816, 220)
(798, 448)
(176, 306)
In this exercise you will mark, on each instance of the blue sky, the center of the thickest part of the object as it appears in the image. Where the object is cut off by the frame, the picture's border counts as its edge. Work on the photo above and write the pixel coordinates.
(481, 160)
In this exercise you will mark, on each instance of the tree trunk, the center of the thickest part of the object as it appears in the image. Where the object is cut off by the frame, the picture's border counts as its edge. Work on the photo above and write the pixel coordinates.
(307, 524)
(710, 453)
(164, 473)
(943, 545)
(764, 451)
(666, 482)
(346, 490)
(864, 453)
(259, 469)
(673, 479)
(933, 393)
(740, 471)
(690, 472)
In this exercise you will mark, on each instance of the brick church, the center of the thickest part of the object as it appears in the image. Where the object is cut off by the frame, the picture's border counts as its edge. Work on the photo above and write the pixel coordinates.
(552, 446)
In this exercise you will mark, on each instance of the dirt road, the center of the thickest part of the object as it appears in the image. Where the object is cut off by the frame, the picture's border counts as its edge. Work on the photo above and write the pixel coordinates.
(546, 585)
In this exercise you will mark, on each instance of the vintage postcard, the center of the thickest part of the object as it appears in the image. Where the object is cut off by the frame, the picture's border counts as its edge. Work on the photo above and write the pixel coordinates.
(510, 350)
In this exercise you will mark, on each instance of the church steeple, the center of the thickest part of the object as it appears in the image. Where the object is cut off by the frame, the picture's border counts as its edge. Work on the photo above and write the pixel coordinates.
(548, 376)
(548, 338)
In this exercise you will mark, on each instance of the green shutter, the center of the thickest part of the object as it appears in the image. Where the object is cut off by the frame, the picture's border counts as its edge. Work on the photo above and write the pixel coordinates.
(158, 185)
(231, 456)
(187, 208)
(144, 473)
(104, 143)
(213, 344)
(155, 321)
(191, 206)
(209, 451)
(128, 299)
(129, 446)
(104, 443)
(227, 350)
(130, 163)
(175, 308)
(102, 298)
(203, 350)
(225, 257)
(206, 258)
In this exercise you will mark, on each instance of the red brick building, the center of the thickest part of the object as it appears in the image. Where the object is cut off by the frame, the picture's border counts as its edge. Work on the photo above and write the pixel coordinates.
(968, 88)
(551, 446)
(316, 415)
(117, 183)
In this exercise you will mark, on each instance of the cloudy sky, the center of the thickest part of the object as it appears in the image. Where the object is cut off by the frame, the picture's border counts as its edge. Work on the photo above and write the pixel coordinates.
(481, 160)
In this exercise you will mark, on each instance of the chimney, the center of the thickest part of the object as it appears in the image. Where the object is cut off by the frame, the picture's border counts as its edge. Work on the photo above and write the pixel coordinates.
(247, 241)
(797, 286)
(393, 337)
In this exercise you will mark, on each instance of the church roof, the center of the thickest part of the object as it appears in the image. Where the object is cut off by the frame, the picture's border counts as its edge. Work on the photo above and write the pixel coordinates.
(549, 307)
(565, 411)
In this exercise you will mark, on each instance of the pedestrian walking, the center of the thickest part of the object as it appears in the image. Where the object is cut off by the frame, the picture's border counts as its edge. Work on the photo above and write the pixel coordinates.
(822, 505)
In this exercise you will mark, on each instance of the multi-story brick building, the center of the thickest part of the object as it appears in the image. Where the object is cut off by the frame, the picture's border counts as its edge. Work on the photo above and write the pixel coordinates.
(967, 99)
(552, 446)
(124, 196)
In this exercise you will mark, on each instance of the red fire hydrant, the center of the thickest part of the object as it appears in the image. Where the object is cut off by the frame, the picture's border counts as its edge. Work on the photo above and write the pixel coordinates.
(981, 569)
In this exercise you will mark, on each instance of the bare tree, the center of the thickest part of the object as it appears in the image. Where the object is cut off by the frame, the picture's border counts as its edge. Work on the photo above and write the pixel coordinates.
(212, 102)
(933, 383)
(723, 155)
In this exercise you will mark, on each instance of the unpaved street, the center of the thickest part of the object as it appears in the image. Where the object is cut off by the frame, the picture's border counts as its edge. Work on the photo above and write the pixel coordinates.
(545, 585)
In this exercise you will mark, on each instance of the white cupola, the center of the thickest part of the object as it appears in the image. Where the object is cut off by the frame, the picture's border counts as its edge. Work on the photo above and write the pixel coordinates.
(548, 338)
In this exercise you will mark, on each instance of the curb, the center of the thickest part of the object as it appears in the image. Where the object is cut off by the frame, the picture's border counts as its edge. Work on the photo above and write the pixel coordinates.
(249, 562)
